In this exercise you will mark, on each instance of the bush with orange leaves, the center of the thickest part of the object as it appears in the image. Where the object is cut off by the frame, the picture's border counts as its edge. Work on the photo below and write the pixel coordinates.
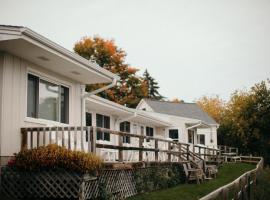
(53, 156)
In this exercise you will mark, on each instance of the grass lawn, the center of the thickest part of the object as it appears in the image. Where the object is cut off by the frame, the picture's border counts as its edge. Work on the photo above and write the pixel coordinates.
(227, 173)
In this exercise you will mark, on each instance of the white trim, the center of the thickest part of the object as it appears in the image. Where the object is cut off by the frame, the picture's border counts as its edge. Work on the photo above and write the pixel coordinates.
(39, 40)
(44, 122)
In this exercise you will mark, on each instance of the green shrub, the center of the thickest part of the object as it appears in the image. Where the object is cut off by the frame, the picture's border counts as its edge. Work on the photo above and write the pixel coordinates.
(158, 176)
(53, 156)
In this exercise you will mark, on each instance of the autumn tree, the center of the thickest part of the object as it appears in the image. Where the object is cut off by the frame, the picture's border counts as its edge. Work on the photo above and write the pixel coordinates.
(246, 121)
(213, 105)
(152, 87)
(131, 88)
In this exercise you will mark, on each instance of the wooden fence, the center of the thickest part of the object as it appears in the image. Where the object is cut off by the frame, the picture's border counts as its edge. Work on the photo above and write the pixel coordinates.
(242, 187)
(85, 139)
(227, 149)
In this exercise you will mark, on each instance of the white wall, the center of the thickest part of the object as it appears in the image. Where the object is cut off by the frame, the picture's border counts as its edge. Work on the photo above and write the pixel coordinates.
(14, 96)
(1, 96)
(210, 136)
(115, 125)
(180, 124)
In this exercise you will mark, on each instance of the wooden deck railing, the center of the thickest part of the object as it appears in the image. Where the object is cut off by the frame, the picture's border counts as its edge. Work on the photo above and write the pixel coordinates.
(242, 187)
(84, 139)
(207, 153)
(228, 149)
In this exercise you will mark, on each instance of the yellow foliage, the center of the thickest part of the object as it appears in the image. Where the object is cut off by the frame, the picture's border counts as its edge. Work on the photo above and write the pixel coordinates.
(53, 156)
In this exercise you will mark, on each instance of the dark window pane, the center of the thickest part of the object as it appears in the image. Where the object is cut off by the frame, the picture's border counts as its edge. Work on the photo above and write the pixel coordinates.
(201, 139)
(125, 127)
(88, 122)
(99, 121)
(32, 96)
(64, 105)
(103, 122)
(190, 136)
(107, 136)
(99, 135)
(88, 119)
(173, 134)
(106, 122)
(149, 132)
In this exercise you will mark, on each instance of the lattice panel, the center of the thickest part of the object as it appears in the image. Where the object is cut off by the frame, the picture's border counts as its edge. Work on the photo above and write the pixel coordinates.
(45, 184)
(63, 184)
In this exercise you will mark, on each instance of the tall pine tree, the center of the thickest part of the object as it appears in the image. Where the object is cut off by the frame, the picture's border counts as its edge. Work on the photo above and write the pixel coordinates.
(152, 86)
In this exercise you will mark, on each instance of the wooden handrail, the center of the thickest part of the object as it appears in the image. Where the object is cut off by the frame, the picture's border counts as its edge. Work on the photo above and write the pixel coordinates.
(90, 132)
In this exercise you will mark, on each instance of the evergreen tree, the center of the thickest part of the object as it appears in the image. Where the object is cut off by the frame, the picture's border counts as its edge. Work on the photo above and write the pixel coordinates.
(152, 87)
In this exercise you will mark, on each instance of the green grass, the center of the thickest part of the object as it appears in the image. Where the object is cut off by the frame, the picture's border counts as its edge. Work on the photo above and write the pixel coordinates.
(227, 173)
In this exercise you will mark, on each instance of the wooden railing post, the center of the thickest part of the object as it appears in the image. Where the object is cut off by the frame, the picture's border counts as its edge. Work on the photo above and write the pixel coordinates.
(140, 151)
(193, 149)
(38, 136)
(93, 137)
(187, 153)
(156, 150)
(169, 151)
(82, 139)
(24, 139)
(88, 132)
(180, 152)
(120, 151)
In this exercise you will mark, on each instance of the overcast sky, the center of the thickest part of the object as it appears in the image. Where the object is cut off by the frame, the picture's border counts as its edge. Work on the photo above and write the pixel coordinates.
(192, 47)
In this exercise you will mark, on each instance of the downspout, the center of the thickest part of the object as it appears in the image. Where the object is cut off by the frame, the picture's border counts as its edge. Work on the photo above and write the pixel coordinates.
(89, 94)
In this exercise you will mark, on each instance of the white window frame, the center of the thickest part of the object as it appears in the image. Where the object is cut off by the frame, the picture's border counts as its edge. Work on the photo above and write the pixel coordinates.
(50, 79)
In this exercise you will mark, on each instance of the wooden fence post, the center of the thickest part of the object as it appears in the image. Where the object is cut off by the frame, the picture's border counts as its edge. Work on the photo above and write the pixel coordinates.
(225, 194)
(249, 187)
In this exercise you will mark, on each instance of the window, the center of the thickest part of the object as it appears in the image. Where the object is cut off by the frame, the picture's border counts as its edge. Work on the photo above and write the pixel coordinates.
(88, 122)
(47, 100)
(125, 127)
(190, 136)
(103, 122)
(173, 134)
(201, 139)
(149, 132)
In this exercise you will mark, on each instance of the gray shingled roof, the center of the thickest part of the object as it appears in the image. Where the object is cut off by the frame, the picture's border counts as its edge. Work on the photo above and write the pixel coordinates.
(187, 110)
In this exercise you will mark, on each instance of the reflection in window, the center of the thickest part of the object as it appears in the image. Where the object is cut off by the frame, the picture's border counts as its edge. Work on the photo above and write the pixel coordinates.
(48, 101)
